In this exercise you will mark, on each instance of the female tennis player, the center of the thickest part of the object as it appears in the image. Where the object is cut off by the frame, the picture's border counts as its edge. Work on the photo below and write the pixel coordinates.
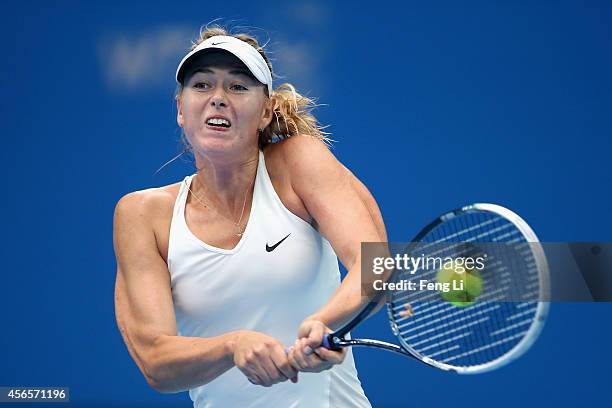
(219, 274)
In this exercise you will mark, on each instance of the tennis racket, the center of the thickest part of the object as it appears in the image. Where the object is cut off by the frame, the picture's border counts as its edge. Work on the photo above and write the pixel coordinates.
(491, 331)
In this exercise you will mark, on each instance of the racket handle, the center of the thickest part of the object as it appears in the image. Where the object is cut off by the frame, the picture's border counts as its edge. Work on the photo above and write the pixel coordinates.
(326, 343)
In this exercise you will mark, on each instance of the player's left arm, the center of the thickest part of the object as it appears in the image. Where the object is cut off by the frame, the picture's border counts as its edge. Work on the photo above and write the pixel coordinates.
(370, 203)
(346, 215)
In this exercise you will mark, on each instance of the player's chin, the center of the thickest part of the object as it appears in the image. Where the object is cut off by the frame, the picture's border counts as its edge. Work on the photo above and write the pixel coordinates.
(214, 144)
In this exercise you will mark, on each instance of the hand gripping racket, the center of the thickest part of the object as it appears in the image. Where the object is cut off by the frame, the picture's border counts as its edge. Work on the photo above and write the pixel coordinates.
(492, 330)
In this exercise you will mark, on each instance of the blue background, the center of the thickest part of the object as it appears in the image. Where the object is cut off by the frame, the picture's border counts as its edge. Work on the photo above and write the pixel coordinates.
(434, 105)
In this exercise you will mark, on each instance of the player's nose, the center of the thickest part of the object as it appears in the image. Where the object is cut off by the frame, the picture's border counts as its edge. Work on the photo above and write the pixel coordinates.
(219, 98)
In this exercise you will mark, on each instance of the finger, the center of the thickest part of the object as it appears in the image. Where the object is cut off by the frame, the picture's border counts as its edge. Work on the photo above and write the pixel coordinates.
(246, 368)
(253, 377)
(304, 329)
(330, 355)
(315, 338)
(298, 356)
(294, 364)
(274, 375)
(279, 358)
(313, 361)
(255, 371)
(291, 358)
(254, 382)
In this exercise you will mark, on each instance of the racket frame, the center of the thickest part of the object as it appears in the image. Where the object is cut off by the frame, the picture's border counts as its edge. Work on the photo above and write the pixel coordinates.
(337, 340)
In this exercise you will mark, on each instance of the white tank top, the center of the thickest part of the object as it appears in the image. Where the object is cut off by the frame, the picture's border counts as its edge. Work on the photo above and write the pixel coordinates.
(264, 285)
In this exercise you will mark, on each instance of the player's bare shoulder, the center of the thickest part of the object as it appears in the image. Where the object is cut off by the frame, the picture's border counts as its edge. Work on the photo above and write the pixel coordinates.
(292, 161)
(302, 156)
(147, 213)
(150, 204)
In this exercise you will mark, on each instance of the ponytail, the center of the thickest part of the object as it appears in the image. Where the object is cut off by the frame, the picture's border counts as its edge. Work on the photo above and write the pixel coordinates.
(292, 116)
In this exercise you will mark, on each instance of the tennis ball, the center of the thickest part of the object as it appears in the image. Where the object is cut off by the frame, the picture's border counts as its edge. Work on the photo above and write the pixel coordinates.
(464, 284)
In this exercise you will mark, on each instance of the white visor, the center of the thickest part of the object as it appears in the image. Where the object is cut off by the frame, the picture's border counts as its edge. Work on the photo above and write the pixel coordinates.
(243, 51)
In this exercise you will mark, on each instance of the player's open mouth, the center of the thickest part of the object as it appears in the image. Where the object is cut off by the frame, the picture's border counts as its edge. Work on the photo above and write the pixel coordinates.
(218, 123)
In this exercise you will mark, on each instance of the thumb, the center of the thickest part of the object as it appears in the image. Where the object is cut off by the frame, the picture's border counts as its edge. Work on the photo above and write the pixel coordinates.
(305, 329)
(315, 338)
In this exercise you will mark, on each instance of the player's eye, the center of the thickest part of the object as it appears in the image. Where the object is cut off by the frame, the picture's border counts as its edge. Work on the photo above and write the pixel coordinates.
(238, 87)
(201, 85)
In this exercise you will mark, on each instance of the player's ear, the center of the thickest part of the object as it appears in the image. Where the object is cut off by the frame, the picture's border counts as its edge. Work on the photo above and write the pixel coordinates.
(268, 113)
(179, 111)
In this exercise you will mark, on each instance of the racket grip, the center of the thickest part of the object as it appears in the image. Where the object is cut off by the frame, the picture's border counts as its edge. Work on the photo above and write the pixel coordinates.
(326, 343)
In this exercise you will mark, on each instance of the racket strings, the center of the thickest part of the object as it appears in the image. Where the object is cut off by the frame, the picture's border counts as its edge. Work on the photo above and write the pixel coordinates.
(487, 329)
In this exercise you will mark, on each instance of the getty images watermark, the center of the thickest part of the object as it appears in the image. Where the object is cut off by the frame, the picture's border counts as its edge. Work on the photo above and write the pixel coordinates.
(452, 273)
(464, 273)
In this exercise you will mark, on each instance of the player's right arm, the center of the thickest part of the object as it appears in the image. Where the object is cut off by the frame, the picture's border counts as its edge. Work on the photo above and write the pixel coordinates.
(145, 315)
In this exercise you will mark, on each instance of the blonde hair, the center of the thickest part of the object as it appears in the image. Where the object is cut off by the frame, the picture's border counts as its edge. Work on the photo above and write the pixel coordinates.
(292, 111)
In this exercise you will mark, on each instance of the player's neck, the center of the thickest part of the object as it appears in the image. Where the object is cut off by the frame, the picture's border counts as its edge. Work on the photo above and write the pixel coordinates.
(224, 180)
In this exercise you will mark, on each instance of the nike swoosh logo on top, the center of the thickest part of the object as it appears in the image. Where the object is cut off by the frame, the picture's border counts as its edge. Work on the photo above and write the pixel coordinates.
(273, 247)
(222, 42)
